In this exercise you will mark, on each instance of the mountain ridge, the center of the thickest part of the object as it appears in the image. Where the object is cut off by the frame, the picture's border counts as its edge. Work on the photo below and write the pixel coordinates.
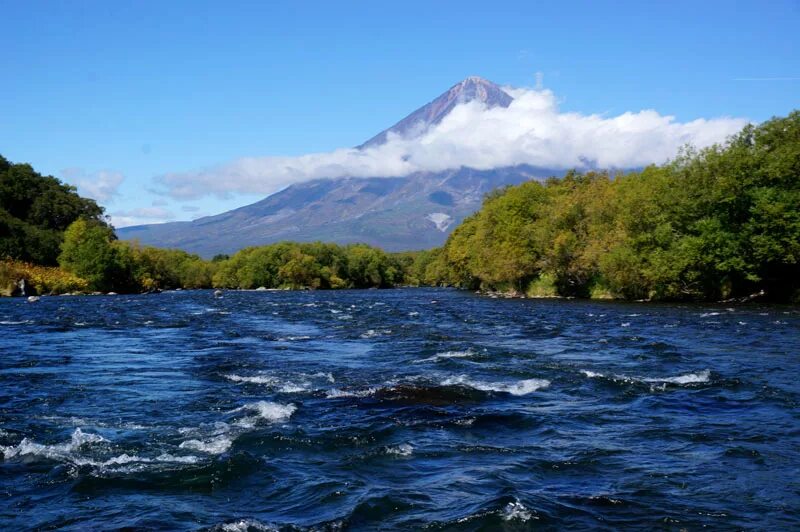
(396, 213)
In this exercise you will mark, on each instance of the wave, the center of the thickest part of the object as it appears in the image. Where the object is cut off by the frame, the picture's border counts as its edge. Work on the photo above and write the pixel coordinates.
(245, 525)
(374, 333)
(255, 379)
(281, 384)
(57, 451)
(336, 393)
(523, 387)
(403, 449)
(699, 377)
(516, 511)
(689, 378)
(447, 355)
(68, 452)
(448, 391)
(217, 445)
(265, 411)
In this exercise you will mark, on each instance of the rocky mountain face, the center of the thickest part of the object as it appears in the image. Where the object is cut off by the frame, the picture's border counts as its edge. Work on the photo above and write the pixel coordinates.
(396, 213)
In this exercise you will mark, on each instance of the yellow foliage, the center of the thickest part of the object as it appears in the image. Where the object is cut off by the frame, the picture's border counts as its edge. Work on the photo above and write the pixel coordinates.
(39, 279)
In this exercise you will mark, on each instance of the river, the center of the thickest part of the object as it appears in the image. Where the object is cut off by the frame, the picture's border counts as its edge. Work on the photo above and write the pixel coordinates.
(396, 409)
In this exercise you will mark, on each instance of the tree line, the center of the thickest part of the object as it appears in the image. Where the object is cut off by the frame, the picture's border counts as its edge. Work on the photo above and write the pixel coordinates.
(91, 251)
(718, 223)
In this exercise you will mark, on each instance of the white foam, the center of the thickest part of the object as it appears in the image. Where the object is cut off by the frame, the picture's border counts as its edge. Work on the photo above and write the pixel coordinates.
(291, 387)
(217, 445)
(190, 459)
(243, 525)
(688, 378)
(255, 379)
(58, 451)
(522, 387)
(446, 355)
(293, 338)
(403, 449)
(265, 411)
(303, 384)
(336, 393)
(372, 333)
(515, 511)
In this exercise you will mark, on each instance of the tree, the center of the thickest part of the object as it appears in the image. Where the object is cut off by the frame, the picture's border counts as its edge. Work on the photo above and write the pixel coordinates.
(89, 251)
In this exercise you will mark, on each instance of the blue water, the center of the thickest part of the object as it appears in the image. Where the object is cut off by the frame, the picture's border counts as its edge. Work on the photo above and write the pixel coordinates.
(397, 409)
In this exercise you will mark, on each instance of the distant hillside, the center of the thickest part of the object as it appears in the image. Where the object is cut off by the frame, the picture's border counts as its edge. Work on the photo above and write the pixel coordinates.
(396, 214)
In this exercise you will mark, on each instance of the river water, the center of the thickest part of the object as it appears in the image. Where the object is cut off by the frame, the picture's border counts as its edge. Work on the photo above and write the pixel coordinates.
(396, 409)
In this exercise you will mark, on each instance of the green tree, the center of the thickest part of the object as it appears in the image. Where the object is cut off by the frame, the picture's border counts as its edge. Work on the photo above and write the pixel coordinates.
(90, 252)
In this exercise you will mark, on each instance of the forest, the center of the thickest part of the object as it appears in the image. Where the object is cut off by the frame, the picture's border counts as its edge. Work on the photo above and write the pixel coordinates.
(713, 224)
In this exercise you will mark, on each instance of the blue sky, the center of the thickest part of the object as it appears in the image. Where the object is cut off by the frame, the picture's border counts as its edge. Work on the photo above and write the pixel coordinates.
(125, 92)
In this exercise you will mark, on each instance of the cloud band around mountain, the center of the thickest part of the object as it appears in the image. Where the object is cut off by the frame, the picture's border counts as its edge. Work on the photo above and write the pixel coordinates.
(531, 130)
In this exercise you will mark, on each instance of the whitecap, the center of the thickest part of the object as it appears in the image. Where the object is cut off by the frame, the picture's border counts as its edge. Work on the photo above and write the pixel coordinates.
(58, 451)
(373, 333)
(688, 378)
(515, 511)
(265, 411)
(446, 355)
(188, 459)
(403, 449)
(336, 393)
(217, 445)
(244, 525)
(293, 338)
(255, 379)
(291, 387)
(282, 385)
(522, 387)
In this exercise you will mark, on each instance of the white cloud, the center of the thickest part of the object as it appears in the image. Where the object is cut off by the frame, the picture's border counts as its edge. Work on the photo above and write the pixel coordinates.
(142, 215)
(532, 130)
(101, 186)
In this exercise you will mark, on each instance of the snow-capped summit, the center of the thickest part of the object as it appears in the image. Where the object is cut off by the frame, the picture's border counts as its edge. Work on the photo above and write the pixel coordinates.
(469, 89)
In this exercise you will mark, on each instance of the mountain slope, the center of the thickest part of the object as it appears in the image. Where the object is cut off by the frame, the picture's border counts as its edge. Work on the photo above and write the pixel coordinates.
(413, 212)
(396, 213)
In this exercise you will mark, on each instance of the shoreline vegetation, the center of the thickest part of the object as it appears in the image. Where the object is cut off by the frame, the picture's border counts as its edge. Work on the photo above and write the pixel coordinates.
(719, 224)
